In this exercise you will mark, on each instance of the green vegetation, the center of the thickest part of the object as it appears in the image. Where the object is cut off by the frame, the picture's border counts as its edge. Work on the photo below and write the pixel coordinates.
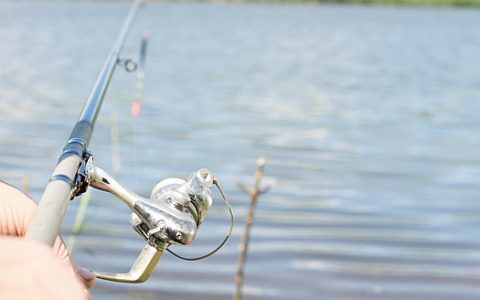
(415, 2)
(465, 3)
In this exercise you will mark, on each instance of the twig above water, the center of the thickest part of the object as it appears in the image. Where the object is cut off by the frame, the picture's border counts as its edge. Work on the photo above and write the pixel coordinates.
(254, 192)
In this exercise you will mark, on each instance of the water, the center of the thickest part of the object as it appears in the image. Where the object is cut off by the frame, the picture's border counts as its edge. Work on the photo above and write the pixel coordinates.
(367, 115)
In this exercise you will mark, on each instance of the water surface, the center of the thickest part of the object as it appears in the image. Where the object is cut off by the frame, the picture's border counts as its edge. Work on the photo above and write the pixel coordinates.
(368, 117)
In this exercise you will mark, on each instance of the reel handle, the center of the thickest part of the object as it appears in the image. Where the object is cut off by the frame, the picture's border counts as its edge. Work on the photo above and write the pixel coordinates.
(141, 269)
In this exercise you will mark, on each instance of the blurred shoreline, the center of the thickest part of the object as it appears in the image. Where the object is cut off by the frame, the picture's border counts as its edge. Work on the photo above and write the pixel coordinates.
(459, 3)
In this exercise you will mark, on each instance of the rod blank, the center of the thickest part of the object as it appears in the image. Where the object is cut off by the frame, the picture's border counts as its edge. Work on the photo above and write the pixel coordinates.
(45, 227)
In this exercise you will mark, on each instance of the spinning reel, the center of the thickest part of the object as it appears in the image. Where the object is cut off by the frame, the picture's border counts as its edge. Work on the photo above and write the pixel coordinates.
(171, 215)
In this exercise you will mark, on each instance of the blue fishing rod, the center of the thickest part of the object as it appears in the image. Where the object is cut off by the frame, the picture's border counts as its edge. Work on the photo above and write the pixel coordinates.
(66, 180)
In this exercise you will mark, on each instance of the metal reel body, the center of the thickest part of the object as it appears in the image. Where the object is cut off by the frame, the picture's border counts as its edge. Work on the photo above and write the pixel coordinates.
(165, 217)
(171, 216)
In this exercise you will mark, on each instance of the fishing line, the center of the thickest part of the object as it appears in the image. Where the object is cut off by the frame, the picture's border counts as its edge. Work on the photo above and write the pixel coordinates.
(135, 160)
(137, 102)
(232, 222)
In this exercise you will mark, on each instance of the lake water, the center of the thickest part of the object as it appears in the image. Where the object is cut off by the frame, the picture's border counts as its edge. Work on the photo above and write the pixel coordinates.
(368, 117)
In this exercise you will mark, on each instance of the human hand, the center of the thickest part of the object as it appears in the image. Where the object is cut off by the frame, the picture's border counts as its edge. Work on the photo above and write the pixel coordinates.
(16, 213)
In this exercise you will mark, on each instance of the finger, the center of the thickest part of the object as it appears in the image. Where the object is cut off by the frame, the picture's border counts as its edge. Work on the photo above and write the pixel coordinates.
(16, 213)
(31, 271)
(87, 277)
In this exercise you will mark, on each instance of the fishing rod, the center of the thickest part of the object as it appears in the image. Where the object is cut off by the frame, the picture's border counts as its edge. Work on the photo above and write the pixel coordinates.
(54, 201)
(171, 215)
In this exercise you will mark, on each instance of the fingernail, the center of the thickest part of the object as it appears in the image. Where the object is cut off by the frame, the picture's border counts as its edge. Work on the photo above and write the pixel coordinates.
(85, 274)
